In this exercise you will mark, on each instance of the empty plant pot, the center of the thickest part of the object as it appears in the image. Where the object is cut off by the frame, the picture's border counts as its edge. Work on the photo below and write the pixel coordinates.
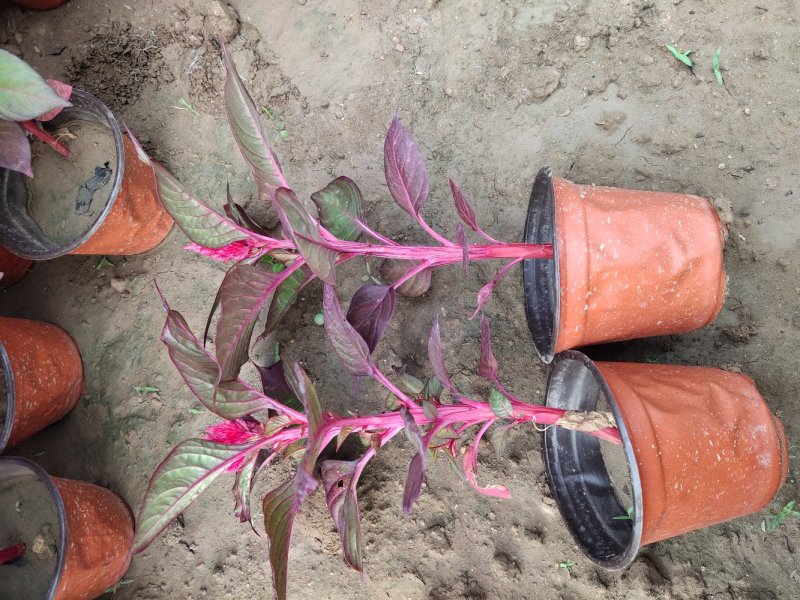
(101, 200)
(41, 377)
(699, 447)
(12, 267)
(77, 535)
(627, 264)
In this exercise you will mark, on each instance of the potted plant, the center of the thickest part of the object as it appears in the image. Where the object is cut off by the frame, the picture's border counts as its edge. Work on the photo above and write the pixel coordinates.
(91, 196)
(60, 539)
(41, 377)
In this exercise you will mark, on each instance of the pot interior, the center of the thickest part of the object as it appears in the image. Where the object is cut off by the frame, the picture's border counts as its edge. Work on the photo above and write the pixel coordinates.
(67, 199)
(540, 277)
(595, 484)
(31, 512)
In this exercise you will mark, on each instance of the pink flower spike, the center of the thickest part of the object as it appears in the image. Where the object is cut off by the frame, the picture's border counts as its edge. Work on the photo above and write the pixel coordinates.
(235, 431)
(235, 251)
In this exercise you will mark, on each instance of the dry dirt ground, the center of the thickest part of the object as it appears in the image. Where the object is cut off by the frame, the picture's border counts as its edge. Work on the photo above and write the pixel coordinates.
(493, 91)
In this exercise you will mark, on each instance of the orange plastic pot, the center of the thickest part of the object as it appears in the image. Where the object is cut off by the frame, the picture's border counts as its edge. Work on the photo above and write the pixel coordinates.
(132, 219)
(627, 264)
(701, 447)
(77, 535)
(43, 375)
(12, 267)
(40, 4)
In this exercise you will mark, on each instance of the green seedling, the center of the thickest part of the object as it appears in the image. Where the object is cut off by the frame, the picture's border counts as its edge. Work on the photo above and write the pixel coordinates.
(195, 411)
(283, 132)
(567, 565)
(104, 264)
(681, 56)
(715, 64)
(184, 104)
(625, 517)
(145, 389)
(119, 584)
(268, 112)
(319, 319)
(774, 522)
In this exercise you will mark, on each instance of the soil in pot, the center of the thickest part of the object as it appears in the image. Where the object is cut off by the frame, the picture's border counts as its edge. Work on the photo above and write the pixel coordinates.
(67, 194)
(32, 521)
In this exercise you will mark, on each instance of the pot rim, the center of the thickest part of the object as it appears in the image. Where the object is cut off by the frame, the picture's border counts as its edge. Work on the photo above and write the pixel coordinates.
(61, 515)
(590, 517)
(541, 282)
(9, 400)
(49, 249)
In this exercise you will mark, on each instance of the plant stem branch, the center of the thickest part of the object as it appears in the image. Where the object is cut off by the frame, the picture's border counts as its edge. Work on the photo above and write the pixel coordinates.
(39, 133)
(12, 552)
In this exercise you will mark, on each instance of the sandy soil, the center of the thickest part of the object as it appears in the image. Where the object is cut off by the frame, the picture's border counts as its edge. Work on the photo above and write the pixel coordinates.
(493, 91)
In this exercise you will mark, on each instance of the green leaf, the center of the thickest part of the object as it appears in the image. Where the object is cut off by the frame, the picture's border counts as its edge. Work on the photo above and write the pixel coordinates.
(24, 94)
(145, 389)
(304, 481)
(433, 389)
(681, 56)
(340, 495)
(184, 474)
(249, 133)
(339, 204)
(300, 228)
(284, 297)
(279, 512)
(628, 516)
(200, 224)
(499, 438)
(717, 72)
(244, 291)
(411, 384)
(500, 405)
(242, 487)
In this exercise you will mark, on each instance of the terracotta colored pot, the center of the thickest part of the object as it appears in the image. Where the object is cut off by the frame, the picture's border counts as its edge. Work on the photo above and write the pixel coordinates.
(132, 219)
(627, 264)
(77, 535)
(12, 267)
(700, 447)
(40, 4)
(43, 376)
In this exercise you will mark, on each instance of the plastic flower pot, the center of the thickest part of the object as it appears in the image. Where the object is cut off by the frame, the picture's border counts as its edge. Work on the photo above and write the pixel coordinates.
(12, 267)
(40, 4)
(41, 377)
(125, 214)
(627, 264)
(700, 447)
(77, 535)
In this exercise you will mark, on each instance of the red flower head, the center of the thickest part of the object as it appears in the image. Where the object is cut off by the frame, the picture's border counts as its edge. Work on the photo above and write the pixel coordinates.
(235, 251)
(235, 431)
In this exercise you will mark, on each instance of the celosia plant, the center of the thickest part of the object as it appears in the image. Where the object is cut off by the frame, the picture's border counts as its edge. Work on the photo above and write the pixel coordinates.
(286, 421)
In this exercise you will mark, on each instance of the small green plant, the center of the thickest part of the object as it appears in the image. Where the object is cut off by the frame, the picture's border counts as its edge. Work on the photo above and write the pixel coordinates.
(626, 517)
(195, 411)
(104, 264)
(184, 104)
(715, 64)
(119, 584)
(145, 389)
(681, 56)
(319, 319)
(773, 523)
(566, 565)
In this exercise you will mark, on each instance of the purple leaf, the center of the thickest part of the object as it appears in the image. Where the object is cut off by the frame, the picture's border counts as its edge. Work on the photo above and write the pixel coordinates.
(279, 512)
(181, 477)
(461, 236)
(348, 344)
(404, 167)
(242, 294)
(15, 149)
(242, 486)
(416, 470)
(249, 133)
(201, 372)
(63, 91)
(237, 213)
(392, 270)
(487, 368)
(436, 357)
(485, 291)
(340, 495)
(463, 206)
(370, 311)
(304, 481)
(299, 226)
(469, 465)
(273, 382)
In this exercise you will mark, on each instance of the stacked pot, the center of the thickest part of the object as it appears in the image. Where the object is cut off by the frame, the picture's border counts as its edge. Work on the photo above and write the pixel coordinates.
(700, 445)
(62, 539)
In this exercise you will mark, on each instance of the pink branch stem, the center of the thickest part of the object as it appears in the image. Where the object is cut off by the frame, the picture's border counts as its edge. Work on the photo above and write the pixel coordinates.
(12, 552)
(432, 232)
(39, 133)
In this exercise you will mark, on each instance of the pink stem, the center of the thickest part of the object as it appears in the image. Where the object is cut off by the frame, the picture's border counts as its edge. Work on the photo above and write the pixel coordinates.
(372, 233)
(442, 255)
(41, 134)
(386, 382)
(411, 273)
(431, 232)
(12, 552)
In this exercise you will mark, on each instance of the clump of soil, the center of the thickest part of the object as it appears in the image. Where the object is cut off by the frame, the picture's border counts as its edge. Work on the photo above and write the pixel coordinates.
(67, 194)
(29, 516)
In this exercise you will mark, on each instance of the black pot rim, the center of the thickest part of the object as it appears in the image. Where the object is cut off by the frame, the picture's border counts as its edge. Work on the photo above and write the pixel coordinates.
(9, 400)
(13, 238)
(61, 515)
(540, 278)
(587, 502)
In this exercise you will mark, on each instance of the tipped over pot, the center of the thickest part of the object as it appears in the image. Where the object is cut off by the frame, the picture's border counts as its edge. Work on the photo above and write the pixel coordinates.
(700, 446)
(41, 377)
(76, 535)
(12, 268)
(627, 264)
(101, 200)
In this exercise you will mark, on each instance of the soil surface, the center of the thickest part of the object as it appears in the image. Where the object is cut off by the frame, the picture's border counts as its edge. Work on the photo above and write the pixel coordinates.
(493, 91)
(68, 193)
